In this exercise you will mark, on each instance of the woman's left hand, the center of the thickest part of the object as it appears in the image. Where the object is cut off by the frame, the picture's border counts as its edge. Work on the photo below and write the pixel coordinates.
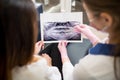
(38, 46)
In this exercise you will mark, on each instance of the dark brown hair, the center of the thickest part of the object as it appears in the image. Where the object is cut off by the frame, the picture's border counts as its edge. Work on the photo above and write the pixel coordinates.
(112, 7)
(18, 33)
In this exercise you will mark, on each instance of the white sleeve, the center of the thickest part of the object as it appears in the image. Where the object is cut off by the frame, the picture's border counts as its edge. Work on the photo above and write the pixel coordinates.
(53, 73)
(67, 71)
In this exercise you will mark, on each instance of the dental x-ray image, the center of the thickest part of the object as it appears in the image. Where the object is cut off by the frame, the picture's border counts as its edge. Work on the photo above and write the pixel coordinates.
(55, 31)
(60, 26)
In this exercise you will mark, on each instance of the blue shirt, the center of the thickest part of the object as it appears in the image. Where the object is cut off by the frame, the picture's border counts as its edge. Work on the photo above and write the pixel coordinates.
(102, 49)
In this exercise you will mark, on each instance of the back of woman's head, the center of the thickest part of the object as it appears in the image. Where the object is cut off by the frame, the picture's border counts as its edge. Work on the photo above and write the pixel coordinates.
(18, 22)
(111, 7)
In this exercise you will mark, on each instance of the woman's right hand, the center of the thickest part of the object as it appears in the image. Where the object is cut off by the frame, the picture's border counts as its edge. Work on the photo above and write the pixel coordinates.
(82, 28)
(63, 51)
(85, 29)
(62, 48)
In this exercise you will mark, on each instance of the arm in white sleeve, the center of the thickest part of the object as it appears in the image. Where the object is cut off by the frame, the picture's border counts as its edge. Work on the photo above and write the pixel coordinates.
(68, 71)
(53, 73)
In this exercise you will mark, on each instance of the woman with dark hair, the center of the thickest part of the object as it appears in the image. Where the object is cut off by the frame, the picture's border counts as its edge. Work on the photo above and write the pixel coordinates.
(103, 60)
(18, 34)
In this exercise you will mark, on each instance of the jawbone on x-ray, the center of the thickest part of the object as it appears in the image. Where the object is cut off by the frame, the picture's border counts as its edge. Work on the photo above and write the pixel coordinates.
(61, 31)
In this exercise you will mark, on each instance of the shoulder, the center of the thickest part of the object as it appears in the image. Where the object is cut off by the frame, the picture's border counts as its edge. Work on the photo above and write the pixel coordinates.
(33, 71)
(93, 66)
(36, 71)
(96, 59)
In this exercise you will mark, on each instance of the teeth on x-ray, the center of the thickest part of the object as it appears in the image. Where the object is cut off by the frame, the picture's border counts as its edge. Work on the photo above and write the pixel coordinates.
(61, 28)
(60, 31)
